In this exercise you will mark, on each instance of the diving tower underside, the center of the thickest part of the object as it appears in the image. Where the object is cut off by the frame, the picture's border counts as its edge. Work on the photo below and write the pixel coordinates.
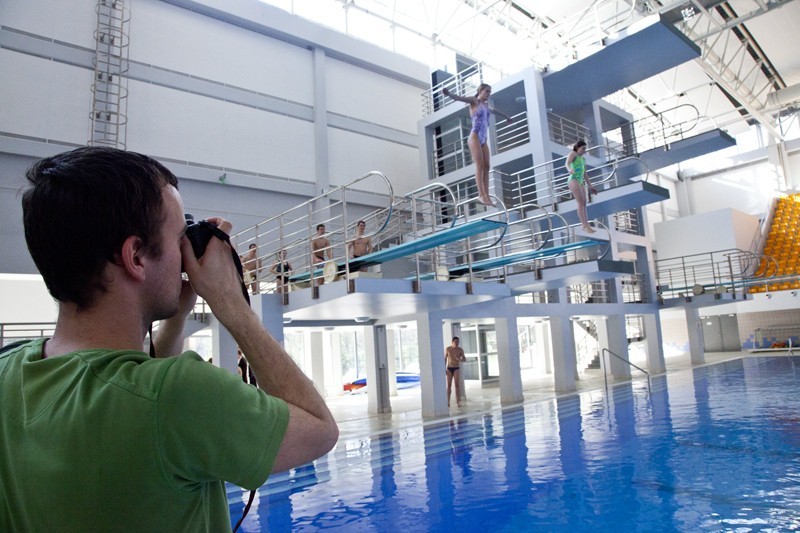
(385, 299)
(647, 48)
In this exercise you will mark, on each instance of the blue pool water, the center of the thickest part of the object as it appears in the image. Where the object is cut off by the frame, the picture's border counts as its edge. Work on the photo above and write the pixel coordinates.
(709, 449)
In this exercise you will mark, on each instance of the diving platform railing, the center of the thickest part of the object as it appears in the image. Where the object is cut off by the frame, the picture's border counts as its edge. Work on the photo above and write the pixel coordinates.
(659, 130)
(558, 44)
(546, 183)
(292, 231)
(531, 241)
(421, 221)
(722, 271)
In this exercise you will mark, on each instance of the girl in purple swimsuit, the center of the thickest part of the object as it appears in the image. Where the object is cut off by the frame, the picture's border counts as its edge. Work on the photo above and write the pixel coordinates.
(479, 109)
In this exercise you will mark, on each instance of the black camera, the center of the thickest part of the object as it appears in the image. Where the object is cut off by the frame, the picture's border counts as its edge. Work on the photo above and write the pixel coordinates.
(200, 234)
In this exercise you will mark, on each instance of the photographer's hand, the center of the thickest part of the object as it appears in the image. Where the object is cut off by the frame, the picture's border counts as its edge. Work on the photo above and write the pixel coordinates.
(214, 276)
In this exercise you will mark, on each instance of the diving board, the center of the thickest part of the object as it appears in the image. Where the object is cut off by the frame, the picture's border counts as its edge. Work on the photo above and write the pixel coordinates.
(433, 240)
(524, 256)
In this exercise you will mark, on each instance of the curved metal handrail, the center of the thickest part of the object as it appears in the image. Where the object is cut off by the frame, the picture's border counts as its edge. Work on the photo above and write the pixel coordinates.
(488, 216)
(528, 220)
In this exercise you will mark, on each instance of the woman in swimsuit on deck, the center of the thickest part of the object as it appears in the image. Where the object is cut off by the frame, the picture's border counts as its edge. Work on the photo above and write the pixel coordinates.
(479, 109)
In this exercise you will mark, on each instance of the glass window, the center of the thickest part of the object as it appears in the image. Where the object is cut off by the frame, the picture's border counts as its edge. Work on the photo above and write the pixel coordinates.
(351, 350)
(294, 344)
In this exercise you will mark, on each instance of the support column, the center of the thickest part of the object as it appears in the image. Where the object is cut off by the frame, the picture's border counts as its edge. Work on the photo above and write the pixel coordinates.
(317, 359)
(654, 344)
(562, 333)
(697, 351)
(543, 339)
(391, 355)
(377, 369)
(611, 334)
(431, 365)
(508, 360)
(320, 110)
(223, 347)
(333, 365)
(269, 308)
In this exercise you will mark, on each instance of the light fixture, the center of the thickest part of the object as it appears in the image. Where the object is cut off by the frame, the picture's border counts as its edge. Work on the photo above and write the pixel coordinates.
(361, 319)
(287, 320)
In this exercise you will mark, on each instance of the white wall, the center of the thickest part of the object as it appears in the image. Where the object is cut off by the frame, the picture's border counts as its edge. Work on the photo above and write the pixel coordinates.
(215, 88)
(24, 298)
(707, 232)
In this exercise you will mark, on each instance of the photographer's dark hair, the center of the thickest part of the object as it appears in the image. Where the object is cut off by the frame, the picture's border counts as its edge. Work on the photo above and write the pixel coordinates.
(578, 145)
(80, 207)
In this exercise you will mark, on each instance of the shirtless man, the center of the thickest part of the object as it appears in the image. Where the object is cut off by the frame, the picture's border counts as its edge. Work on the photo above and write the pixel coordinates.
(320, 248)
(453, 357)
(360, 245)
(251, 265)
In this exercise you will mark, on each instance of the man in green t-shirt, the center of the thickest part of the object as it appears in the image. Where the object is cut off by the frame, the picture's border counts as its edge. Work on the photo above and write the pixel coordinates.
(94, 434)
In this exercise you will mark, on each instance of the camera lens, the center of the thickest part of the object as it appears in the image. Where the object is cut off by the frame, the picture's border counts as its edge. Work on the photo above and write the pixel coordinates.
(189, 218)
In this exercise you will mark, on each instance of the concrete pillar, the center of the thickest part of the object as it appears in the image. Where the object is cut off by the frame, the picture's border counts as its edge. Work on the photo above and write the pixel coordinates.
(562, 334)
(377, 369)
(611, 334)
(269, 309)
(431, 365)
(697, 351)
(316, 355)
(223, 347)
(544, 341)
(333, 365)
(508, 360)
(308, 348)
(654, 344)
(391, 355)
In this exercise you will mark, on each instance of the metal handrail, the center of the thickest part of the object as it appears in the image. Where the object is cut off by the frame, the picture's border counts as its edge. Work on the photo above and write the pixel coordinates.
(605, 372)
(24, 330)
(291, 230)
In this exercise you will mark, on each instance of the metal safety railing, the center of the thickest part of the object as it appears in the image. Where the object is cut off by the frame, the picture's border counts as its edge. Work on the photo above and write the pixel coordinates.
(547, 183)
(566, 132)
(605, 365)
(288, 236)
(721, 271)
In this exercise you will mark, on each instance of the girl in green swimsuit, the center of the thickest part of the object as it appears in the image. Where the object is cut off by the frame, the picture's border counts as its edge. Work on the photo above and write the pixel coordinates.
(576, 166)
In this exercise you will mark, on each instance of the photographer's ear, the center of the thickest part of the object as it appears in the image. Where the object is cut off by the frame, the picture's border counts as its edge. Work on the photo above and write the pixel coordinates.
(130, 257)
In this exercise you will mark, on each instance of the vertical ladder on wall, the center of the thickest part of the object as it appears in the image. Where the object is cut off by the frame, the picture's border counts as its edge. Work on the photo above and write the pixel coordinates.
(110, 85)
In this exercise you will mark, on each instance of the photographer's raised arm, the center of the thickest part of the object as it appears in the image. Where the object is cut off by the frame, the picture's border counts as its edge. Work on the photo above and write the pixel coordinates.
(312, 431)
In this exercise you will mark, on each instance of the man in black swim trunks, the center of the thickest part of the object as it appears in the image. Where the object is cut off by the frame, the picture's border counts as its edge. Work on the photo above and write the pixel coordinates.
(320, 246)
(360, 245)
(453, 357)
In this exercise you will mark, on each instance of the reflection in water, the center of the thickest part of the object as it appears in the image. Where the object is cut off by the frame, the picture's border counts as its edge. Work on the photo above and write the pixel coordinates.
(711, 449)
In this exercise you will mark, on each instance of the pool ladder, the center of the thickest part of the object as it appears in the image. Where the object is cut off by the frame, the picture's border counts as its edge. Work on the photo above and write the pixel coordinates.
(605, 372)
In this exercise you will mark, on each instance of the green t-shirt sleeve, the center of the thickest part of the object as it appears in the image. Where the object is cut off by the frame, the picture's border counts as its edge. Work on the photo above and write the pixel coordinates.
(211, 425)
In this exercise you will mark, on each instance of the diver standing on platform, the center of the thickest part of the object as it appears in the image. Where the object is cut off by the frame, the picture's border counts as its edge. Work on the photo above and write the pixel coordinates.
(576, 166)
(479, 109)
